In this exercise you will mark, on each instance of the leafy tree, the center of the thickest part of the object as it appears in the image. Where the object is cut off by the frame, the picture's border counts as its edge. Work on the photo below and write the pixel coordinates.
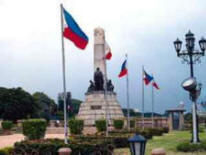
(46, 104)
(72, 105)
(15, 103)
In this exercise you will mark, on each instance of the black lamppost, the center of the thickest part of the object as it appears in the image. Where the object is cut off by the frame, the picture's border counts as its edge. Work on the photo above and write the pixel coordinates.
(137, 145)
(191, 56)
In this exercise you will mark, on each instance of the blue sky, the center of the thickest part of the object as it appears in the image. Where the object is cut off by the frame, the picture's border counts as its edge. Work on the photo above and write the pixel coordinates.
(31, 47)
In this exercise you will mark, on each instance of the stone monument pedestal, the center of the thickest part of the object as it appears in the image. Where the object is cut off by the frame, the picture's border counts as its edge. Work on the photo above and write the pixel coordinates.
(95, 107)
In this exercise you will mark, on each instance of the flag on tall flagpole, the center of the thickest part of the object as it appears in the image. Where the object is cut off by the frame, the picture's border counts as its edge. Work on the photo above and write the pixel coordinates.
(108, 52)
(73, 32)
(124, 70)
(154, 84)
(147, 78)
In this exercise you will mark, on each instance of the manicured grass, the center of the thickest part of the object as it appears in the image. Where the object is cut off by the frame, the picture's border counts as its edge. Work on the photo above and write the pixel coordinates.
(168, 142)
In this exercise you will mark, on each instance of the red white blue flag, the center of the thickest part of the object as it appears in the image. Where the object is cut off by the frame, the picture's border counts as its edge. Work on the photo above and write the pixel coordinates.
(147, 78)
(154, 84)
(108, 52)
(124, 70)
(73, 32)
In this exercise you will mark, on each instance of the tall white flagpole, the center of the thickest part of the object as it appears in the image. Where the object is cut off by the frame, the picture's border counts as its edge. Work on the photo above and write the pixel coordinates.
(152, 106)
(64, 78)
(128, 107)
(143, 97)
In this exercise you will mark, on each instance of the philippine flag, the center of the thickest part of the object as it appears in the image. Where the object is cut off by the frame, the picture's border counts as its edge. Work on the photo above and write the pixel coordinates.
(124, 70)
(154, 84)
(147, 78)
(108, 52)
(73, 32)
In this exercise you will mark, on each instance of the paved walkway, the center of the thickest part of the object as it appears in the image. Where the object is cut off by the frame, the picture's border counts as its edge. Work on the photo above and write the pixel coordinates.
(9, 140)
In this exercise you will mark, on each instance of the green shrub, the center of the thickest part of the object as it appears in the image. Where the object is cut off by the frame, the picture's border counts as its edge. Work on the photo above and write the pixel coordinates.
(100, 125)
(146, 133)
(51, 146)
(156, 131)
(132, 123)
(190, 147)
(34, 128)
(7, 125)
(76, 126)
(118, 124)
(6, 151)
(165, 129)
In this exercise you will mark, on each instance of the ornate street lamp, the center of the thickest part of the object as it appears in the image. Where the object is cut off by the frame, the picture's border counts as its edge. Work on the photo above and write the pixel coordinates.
(137, 145)
(191, 56)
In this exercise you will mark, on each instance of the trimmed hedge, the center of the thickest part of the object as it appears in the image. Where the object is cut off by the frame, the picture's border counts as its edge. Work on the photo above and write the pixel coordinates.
(155, 131)
(76, 126)
(7, 125)
(165, 129)
(118, 123)
(6, 151)
(100, 125)
(34, 128)
(84, 145)
(190, 147)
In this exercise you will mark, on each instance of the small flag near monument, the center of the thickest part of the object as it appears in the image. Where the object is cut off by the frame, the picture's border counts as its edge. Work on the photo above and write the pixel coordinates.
(73, 32)
(147, 78)
(108, 52)
(123, 71)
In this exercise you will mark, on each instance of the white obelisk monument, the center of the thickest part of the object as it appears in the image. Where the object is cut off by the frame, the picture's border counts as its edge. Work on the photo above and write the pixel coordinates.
(96, 106)
(99, 50)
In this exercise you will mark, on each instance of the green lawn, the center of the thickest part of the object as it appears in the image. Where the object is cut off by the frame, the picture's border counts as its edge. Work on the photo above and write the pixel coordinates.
(168, 142)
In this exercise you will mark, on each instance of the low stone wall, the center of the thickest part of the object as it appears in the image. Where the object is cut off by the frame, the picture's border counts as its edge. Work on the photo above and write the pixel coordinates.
(158, 122)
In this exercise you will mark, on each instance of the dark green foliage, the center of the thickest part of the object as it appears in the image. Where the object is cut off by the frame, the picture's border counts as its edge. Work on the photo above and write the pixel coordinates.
(100, 125)
(76, 126)
(7, 125)
(74, 106)
(190, 147)
(155, 131)
(45, 115)
(46, 104)
(16, 104)
(132, 123)
(165, 129)
(6, 151)
(145, 133)
(60, 115)
(131, 111)
(118, 123)
(83, 145)
(34, 128)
